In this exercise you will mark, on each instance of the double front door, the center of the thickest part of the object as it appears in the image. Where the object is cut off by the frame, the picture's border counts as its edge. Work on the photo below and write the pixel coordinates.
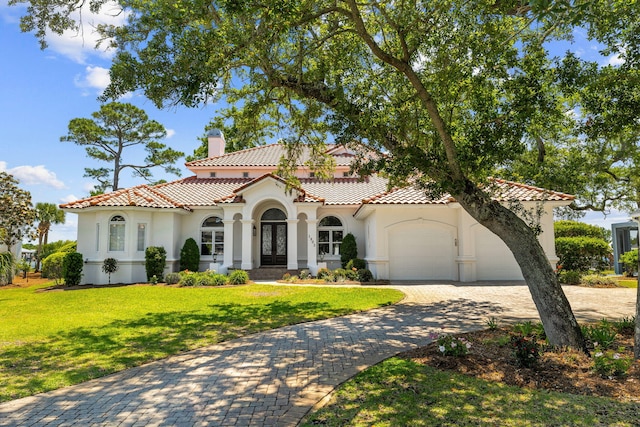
(273, 243)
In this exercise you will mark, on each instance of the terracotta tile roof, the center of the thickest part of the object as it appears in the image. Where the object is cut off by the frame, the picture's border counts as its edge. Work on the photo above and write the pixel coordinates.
(189, 192)
(504, 190)
(344, 191)
(262, 156)
(140, 196)
(501, 189)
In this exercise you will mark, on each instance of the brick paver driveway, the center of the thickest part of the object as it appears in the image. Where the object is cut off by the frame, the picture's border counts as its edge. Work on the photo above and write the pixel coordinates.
(274, 378)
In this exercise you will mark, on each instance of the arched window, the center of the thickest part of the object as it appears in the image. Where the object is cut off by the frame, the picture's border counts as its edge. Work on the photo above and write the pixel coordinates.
(212, 236)
(330, 232)
(116, 233)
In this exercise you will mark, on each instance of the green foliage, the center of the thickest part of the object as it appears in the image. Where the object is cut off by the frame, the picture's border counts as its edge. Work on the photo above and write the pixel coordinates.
(189, 279)
(357, 263)
(348, 249)
(492, 323)
(172, 278)
(110, 265)
(155, 261)
(525, 328)
(450, 345)
(305, 274)
(599, 281)
(190, 256)
(569, 277)
(566, 228)
(625, 325)
(238, 277)
(610, 363)
(602, 335)
(6, 267)
(111, 133)
(22, 265)
(323, 273)
(46, 215)
(365, 275)
(52, 266)
(583, 253)
(526, 350)
(16, 212)
(72, 265)
(58, 246)
(630, 261)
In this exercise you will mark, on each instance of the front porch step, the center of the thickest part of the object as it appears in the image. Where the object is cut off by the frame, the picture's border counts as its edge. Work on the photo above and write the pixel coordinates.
(270, 273)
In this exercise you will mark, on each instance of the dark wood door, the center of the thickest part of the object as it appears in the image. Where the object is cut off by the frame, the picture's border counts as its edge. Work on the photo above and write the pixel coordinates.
(273, 243)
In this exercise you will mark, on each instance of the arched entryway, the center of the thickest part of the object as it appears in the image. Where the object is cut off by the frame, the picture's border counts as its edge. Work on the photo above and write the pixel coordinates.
(273, 237)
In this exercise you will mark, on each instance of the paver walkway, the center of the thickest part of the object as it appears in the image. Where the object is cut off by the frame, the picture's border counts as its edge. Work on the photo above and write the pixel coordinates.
(273, 378)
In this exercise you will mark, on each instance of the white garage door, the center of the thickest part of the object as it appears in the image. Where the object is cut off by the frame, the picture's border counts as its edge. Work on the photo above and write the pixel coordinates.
(422, 252)
(494, 260)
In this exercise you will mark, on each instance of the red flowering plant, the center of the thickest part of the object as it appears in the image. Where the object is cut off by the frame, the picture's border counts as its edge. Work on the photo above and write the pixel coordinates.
(526, 350)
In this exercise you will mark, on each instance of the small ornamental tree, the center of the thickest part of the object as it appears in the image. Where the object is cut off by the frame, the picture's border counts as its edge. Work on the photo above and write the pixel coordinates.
(630, 261)
(72, 268)
(52, 266)
(110, 265)
(155, 258)
(190, 256)
(348, 249)
(581, 246)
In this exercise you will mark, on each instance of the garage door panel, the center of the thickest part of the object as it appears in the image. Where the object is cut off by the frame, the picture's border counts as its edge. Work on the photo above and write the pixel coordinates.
(422, 253)
(494, 260)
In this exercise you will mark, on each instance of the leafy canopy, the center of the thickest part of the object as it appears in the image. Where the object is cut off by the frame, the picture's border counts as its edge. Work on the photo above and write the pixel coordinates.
(16, 211)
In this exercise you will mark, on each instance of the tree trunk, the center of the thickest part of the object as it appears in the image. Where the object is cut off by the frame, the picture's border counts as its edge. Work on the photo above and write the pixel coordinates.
(558, 320)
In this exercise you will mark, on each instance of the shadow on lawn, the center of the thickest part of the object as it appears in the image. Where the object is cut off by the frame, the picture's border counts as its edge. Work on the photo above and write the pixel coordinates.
(85, 353)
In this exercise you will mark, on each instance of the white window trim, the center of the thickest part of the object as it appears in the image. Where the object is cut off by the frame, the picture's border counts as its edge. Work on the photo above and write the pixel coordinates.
(215, 231)
(330, 229)
(122, 223)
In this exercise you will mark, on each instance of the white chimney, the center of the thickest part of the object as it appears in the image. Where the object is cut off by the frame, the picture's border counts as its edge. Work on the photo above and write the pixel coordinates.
(216, 142)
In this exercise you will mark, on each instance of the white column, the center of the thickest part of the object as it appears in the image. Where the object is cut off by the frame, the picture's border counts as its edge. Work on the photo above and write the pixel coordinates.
(247, 244)
(228, 244)
(292, 244)
(312, 245)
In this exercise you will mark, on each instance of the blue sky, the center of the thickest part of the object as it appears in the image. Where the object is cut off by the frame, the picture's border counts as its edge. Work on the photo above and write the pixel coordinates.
(41, 91)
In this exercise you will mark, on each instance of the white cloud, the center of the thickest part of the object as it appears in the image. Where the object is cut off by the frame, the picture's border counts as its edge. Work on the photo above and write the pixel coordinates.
(78, 45)
(170, 133)
(69, 198)
(94, 78)
(615, 60)
(88, 187)
(34, 175)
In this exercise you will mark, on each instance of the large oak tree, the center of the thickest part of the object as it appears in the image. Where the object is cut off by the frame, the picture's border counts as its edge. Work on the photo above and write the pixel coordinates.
(448, 90)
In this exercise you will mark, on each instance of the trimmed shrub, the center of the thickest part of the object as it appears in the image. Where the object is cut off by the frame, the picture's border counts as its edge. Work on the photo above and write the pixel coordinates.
(172, 278)
(365, 275)
(630, 261)
(599, 281)
(188, 279)
(569, 277)
(190, 255)
(220, 279)
(583, 253)
(52, 266)
(155, 259)
(72, 268)
(357, 263)
(305, 274)
(238, 277)
(348, 249)
(340, 273)
(323, 273)
(567, 228)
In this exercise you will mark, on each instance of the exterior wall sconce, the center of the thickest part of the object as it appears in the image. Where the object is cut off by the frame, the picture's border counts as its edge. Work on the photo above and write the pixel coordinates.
(86, 260)
(255, 231)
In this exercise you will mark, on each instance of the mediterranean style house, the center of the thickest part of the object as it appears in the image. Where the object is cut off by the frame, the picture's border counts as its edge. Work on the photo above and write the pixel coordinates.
(242, 215)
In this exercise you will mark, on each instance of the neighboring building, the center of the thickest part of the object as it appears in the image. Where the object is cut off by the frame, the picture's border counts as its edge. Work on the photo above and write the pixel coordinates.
(244, 216)
(624, 237)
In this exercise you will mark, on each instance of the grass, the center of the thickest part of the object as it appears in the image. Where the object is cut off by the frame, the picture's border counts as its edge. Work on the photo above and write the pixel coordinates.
(58, 338)
(628, 283)
(400, 392)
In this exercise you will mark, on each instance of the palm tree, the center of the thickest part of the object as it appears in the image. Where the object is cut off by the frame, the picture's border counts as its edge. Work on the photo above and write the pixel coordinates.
(47, 214)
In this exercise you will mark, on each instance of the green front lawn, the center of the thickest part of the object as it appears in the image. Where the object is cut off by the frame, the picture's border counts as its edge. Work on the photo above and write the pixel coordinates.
(57, 338)
(399, 392)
